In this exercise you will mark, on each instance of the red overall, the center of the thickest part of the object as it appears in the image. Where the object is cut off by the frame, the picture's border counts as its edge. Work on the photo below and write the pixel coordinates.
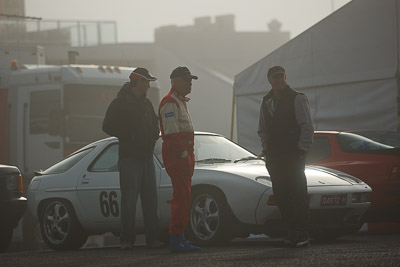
(177, 152)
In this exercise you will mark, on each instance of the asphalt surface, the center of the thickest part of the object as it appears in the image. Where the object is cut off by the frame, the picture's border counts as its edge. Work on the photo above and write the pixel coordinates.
(354, 250)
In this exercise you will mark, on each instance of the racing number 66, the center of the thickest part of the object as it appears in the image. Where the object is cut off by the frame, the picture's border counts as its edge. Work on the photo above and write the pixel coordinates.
(108, 202)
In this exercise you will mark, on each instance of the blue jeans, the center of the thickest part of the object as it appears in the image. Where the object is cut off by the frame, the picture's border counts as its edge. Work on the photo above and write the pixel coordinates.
(137, 176)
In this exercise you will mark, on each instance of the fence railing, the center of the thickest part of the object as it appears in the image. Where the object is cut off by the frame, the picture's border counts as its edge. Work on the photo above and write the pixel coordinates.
(57, 32)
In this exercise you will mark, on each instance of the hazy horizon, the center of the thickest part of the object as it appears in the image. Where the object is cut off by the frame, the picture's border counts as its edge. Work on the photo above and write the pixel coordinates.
(136, 21)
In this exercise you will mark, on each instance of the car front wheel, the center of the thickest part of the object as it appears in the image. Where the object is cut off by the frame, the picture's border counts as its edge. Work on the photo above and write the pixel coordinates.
(209, 217)
(59, 226)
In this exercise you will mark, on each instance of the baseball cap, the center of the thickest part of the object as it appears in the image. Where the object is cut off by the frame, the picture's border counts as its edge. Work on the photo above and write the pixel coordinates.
(182, 72)
(141, 73)
(276, 70)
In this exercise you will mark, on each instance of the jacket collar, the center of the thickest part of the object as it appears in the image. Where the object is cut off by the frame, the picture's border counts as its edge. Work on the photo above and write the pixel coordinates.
(127, 94)
(182, 98)
(283, 94)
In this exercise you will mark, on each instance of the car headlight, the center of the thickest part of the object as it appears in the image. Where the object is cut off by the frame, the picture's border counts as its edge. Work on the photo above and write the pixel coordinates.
(359, 197)
(34, 185)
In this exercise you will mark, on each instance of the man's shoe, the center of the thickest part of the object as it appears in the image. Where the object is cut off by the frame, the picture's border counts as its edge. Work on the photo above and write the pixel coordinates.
(296, 239)
(179, 244)
(303, 240)
(302, 244)
(126, 246)
(156, 244)
(290, 239)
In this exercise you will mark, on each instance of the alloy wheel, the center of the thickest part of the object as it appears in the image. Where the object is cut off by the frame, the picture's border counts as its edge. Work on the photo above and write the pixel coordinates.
(57, 222)
(205, 217)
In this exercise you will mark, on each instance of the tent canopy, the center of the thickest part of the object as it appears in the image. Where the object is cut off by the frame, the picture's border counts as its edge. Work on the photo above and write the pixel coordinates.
(346, 64)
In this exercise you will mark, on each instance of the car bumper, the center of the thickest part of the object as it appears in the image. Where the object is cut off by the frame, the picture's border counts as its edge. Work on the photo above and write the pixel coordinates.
(12, 211)
(383, 214)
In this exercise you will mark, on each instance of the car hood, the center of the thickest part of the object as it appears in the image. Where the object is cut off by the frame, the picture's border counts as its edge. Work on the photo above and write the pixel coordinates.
(256, 171)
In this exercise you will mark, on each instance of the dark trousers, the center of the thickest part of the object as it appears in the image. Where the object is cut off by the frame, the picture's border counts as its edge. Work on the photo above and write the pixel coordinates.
(137, 176)
(289, 185)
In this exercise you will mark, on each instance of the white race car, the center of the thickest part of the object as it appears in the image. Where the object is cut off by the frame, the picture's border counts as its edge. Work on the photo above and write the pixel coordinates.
(231, 196)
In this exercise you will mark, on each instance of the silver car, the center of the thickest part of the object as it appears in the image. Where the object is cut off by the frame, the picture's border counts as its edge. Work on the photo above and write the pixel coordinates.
(232, 196)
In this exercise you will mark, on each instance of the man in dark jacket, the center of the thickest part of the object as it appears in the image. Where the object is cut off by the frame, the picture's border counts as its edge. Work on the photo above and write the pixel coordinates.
(286, 132)
(132, 119)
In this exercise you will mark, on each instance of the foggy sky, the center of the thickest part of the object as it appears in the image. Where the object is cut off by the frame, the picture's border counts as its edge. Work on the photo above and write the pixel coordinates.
(136, 20)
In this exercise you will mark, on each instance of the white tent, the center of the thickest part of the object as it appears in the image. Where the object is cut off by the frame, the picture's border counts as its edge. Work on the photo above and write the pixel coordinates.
(347, 65)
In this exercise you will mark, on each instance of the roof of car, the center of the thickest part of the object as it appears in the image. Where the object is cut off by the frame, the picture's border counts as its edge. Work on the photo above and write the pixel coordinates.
(351, 131)
(196, 133)
(326, 132)
(112, 138)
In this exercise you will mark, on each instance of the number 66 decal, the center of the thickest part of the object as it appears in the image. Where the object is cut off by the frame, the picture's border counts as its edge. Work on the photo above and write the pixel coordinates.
(108, 202)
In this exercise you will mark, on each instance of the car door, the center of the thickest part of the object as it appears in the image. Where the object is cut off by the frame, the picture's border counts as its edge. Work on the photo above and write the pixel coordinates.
(164, 187)
(99, 191)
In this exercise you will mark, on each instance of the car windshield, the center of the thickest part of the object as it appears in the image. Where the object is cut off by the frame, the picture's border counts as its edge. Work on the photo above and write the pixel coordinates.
(211, 149)
(350, 142)
(67, 163)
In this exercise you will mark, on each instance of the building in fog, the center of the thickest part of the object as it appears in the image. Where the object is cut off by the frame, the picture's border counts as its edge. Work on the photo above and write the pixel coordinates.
(211, 48)
(12, 7)
(215, 52)
(218, 45)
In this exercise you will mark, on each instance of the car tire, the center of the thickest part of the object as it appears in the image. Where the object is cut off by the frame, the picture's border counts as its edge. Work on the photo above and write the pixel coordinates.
(209, 221)
(59, 226)
(5, 240)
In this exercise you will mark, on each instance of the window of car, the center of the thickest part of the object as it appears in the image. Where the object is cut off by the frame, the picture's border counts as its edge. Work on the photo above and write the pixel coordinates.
(107, 161)
(218, 147)
(211, 147)
(68, 162)
(389, 138)
(354, 143)
(157, 151)
(320, 149)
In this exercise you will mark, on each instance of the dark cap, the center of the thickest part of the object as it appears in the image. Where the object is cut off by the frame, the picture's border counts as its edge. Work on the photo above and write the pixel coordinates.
(141, 73)
(182, 72)
(276, 70)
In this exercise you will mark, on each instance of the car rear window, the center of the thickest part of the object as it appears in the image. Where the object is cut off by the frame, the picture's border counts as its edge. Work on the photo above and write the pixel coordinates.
(384, 137)
(354, 143)
(107, 161)
(68, 162)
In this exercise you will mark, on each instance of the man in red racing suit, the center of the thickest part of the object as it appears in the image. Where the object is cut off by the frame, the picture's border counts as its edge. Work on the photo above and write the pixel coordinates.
(177, 152)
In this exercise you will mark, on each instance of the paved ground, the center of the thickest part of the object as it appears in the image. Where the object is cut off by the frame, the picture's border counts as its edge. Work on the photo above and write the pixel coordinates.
(355, 250)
